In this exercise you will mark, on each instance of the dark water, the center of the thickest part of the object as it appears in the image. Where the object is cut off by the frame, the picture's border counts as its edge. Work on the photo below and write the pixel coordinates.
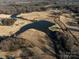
(43, 26)
(14, 16)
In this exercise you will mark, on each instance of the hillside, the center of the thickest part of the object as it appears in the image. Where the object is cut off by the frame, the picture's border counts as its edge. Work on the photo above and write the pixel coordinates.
(39, 30)
(30, 37)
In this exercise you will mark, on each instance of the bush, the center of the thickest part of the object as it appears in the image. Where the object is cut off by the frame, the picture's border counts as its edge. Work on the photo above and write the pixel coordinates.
(8, 22)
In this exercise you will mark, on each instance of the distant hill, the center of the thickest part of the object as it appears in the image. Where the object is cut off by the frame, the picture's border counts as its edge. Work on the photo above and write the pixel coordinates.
(17, 1)
(53, 1)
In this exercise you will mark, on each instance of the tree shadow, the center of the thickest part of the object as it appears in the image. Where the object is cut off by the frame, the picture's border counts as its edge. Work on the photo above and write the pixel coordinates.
(74, 29)
(72, 24)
